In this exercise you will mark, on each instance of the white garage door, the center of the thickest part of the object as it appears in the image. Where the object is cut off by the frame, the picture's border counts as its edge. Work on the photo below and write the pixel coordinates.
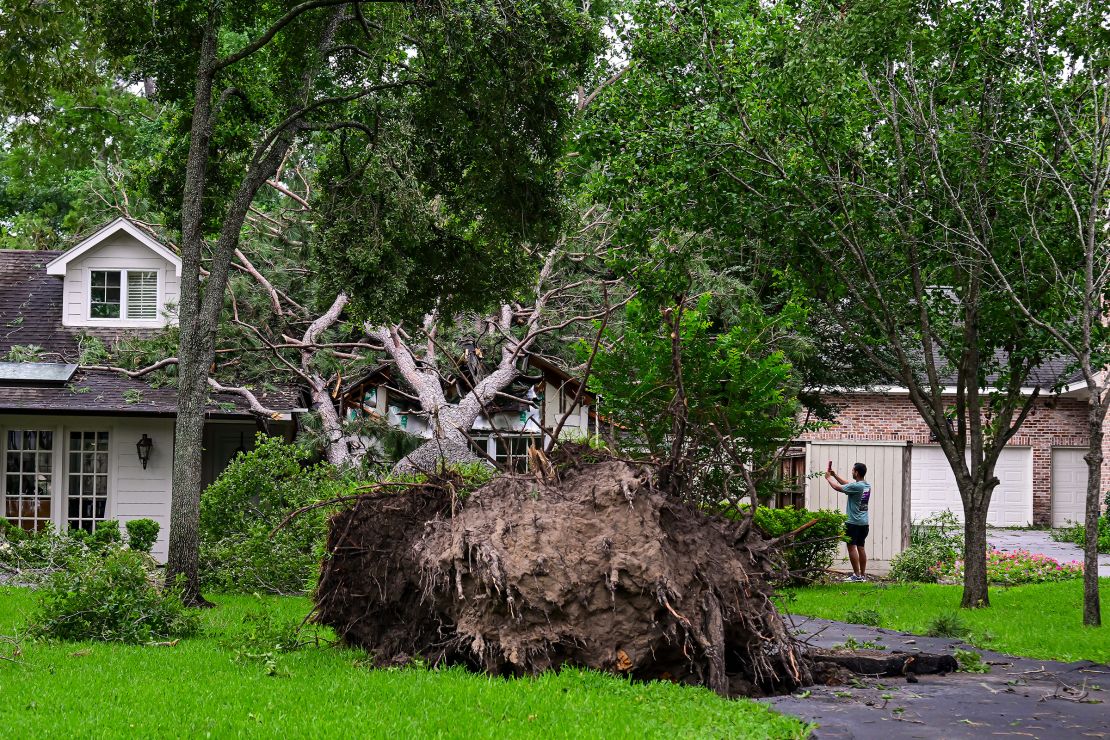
(1069, 486)
(933, 487)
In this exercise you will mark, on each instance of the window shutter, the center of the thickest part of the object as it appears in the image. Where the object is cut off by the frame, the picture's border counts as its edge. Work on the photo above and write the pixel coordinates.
(142, 294)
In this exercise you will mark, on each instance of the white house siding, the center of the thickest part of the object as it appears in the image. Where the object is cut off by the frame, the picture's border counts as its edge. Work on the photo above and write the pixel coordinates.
(133, 493)
(121, 251)
(888, 510)
(556, 400)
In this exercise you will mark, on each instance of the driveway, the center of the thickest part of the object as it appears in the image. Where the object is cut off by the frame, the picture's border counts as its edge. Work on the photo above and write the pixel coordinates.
(1017, 698)
(1040, 541)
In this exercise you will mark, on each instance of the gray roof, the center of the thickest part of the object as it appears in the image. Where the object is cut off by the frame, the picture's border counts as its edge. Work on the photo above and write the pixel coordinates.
(31, 314)
(104, 392)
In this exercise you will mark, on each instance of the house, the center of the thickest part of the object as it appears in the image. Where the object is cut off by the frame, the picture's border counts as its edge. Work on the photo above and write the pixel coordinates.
(525, 414)
(1042, 474)
(81, 445)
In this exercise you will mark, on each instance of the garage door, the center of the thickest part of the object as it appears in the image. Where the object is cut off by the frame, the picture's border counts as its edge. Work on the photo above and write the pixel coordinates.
(1069, 486)
(933, 487)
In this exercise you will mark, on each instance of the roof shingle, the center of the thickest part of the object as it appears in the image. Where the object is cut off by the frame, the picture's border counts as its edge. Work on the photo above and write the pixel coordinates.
(31, 314)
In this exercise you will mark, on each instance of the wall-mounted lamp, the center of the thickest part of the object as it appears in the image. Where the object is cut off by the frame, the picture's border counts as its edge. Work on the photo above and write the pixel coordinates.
(144, 446)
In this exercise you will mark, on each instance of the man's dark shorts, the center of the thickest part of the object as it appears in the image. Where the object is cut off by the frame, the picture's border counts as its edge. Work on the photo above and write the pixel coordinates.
(857, 533)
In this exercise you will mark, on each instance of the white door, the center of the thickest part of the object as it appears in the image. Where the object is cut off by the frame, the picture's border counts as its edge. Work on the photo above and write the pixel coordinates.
(933, 487)
(1069, 486)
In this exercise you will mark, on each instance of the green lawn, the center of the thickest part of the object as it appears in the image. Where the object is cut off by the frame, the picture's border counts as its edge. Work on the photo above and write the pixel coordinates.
(196, 689)
(1036, 621)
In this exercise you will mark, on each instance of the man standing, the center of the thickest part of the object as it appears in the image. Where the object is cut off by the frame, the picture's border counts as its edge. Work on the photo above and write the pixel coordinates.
(859, 495)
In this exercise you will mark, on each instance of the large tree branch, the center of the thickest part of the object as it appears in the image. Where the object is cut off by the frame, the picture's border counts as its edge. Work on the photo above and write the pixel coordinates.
(255, 405)
(268, 35)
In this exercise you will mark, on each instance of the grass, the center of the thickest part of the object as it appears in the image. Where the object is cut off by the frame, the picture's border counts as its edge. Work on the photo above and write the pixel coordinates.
(197, 689)
(1036, 621)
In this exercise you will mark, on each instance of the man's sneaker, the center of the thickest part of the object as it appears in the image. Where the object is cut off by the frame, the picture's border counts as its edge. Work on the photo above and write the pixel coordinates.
(850, 579)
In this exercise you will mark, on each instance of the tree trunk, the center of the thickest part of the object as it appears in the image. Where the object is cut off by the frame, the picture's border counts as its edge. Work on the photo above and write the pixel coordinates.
(449, 446)
(975, 555)
(184, 545)
(192, 396)
(336, 449)
(1096, 413)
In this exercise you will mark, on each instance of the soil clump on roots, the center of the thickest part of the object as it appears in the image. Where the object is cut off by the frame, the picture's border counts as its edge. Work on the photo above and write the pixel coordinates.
(598, 568)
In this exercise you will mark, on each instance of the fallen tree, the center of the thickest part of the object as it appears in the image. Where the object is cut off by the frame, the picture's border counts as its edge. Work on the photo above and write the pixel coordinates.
(600, 567)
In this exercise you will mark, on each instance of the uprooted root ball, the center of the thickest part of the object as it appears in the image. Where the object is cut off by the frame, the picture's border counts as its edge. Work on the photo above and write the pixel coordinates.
(599, 569)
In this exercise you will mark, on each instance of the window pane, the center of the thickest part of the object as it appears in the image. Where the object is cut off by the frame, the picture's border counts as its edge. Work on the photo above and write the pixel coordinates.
(46, 440)
(104, 294)
(87, 479)
(14, 438)
(142, 295)
(12, 464)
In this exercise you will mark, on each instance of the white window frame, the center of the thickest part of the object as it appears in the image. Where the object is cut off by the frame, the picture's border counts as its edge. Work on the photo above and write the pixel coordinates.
(517, 462)
(53, 472)
(62, 487)
(122, 319)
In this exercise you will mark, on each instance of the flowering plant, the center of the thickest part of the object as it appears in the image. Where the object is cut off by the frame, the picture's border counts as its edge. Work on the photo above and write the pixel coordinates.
(1012, 568)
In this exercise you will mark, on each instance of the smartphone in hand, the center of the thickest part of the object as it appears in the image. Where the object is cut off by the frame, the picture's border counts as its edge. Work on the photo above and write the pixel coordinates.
(829, 469)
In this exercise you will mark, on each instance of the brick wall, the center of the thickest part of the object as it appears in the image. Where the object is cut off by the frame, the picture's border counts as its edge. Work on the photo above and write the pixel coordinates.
(1060, 422)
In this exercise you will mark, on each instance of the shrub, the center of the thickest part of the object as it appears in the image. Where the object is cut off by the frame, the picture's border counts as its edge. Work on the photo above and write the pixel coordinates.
(142, 534)
(948, 625)
(917, 563)
(240, 511)
(1077, 534)
(104, 536)
(936, 540)
(10, 532)
(813, 550)
(114, 598)
(42, 551)
(1014, 569)
(870, 617)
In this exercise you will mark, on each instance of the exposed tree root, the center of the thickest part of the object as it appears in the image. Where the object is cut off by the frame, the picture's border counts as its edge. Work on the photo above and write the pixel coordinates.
(597, 569)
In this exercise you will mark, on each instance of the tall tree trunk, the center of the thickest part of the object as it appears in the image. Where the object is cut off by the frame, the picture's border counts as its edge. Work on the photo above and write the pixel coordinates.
(192, 396)
(975, 555)
(184, 545)
(1096, 414)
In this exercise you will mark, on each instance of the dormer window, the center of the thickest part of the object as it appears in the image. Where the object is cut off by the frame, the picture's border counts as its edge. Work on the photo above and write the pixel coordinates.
(120, 277)
(131, 294)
